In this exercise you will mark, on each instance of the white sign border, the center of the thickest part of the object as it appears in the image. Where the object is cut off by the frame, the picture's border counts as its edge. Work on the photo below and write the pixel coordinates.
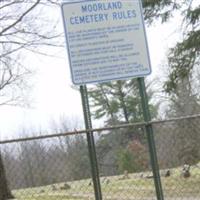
(104, 80)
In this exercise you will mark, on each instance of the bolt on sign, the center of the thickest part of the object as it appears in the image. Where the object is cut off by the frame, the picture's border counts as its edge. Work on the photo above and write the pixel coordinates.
(106, 40)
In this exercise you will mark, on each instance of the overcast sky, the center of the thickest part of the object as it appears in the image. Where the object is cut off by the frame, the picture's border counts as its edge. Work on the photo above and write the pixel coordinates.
(52, 94)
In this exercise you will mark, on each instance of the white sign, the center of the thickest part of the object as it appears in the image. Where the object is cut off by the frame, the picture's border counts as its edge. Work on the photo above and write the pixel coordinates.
(106, 40)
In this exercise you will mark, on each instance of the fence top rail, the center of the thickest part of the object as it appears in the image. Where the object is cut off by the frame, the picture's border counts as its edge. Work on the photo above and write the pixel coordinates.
(90, 131)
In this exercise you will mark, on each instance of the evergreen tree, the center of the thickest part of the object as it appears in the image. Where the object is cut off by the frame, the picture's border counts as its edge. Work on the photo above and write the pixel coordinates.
(184, 57)
(119, 102)
(182, 84)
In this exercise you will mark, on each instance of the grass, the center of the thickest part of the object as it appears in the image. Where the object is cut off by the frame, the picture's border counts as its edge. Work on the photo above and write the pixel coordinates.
(135, 187)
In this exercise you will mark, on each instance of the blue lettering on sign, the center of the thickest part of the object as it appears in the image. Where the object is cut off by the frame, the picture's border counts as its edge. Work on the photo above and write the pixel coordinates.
(95, 7)
(88, 19)
(124, 15)
(92, 16)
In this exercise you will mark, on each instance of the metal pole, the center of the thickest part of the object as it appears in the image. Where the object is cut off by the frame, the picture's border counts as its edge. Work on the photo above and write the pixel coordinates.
(91, 143)
(150, 138)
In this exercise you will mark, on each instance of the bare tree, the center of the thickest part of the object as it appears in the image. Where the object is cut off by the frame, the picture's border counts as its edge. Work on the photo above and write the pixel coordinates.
(25, 28)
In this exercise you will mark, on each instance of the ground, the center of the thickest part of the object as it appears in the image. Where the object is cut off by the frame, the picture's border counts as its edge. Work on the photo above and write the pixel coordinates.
(137, 187)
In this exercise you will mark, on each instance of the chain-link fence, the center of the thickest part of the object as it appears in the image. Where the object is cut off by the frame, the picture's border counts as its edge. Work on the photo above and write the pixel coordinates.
(51, 168)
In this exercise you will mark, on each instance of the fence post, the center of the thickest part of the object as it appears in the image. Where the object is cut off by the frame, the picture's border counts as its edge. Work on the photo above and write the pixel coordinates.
(91, 143)
(150, 138)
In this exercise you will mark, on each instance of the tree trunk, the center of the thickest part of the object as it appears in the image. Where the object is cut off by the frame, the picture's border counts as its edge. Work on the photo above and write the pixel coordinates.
(122, 102)
(5, 192)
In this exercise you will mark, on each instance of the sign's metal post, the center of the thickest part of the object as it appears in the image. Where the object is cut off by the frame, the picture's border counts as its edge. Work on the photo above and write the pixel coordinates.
(150, 138)
(91, 143)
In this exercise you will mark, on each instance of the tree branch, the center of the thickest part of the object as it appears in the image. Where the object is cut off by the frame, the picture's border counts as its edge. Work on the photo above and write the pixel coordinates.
(20, 18)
